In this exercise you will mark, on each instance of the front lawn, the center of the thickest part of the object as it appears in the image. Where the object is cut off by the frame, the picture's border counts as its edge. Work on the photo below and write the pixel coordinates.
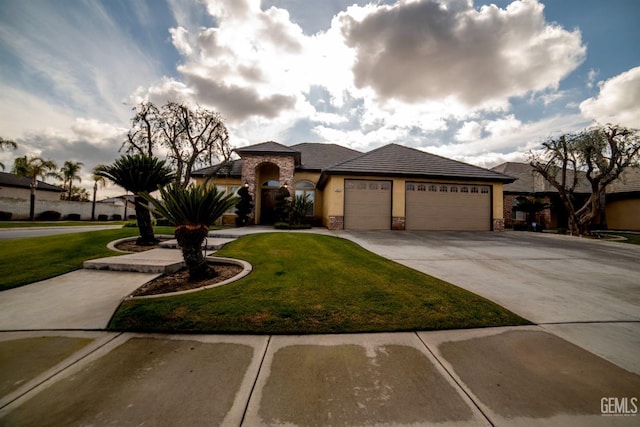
(307, 283)
(32, 259)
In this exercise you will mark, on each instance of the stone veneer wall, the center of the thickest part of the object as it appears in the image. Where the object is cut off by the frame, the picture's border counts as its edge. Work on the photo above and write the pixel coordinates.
(336, 222)
(498, 224)
(398, 223)
(250, 165)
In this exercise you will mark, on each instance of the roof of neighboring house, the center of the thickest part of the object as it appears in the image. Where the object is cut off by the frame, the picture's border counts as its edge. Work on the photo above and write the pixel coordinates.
(317, 156)
(12, 180)
(394, 159)
(529, 181)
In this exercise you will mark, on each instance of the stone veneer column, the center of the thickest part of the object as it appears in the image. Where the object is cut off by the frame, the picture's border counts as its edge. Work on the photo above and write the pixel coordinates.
(250, 165)
(336, 222)
(398, 223)
(498, 224)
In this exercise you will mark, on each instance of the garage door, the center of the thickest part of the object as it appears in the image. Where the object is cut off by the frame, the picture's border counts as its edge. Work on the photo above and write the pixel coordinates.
(438, 206)
(367, 204)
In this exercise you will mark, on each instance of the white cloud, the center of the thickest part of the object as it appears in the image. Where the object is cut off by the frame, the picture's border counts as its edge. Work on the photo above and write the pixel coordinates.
(417, 51)
(617, 101)
(470, 131)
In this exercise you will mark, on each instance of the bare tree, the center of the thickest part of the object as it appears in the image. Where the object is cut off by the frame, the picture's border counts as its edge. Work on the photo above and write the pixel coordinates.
(189, 137)
(599, 154)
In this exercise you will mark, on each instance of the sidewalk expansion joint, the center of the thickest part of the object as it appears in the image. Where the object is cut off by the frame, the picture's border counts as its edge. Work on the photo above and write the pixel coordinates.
(453, 378)
(255, 381)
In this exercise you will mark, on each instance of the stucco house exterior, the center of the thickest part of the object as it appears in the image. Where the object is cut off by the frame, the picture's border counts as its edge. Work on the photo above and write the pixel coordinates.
(392, 187)
(622, 210)
(19, 187)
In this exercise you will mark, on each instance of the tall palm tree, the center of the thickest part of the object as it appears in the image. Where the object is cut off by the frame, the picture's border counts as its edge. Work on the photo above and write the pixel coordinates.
(34, 168)
(192, 210)
(97, 180)
(140, 174)
(69, 174)
(6, 143)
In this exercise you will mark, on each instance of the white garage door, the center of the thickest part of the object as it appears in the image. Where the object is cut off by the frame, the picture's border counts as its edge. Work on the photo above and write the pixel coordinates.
(367, 204)
(438, 206)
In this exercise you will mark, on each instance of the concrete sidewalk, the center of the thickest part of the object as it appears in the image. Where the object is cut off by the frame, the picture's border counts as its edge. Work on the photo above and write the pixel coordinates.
(502, 377)
(51, 375)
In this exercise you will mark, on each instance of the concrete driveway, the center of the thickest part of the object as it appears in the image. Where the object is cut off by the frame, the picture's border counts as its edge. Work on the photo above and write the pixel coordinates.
(586, 291)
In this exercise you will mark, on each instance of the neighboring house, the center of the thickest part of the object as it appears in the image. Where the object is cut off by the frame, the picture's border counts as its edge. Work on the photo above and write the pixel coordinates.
(392, 187)
(17, 187)
(622, 202)
(126, 202)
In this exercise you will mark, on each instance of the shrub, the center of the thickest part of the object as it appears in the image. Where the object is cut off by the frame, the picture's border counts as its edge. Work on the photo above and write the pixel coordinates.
(130, 224)
(163, 222)
(5, 216)
(132, 218)
(287, 226)
(73, 217)
(103, 217)
(115, 217)
(49, 216)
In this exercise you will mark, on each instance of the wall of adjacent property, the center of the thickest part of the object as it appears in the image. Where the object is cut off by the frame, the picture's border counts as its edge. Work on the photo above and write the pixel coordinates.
(20, 208)
(25, 193)
(624, 215)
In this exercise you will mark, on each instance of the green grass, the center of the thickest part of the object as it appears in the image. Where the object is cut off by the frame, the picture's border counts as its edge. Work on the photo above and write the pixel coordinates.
(634, 239)
(29, 260)
(305, 283)
(21, 224)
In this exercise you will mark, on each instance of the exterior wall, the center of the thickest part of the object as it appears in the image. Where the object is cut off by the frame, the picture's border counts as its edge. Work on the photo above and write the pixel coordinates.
(25, 193)
(333, 203)
(623, 215)
(20, 208)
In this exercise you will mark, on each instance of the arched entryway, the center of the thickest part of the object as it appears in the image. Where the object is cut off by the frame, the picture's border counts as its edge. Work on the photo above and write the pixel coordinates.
(268, 180)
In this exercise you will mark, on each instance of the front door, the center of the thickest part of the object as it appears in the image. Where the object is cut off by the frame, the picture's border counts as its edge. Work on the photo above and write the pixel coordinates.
(268, 205)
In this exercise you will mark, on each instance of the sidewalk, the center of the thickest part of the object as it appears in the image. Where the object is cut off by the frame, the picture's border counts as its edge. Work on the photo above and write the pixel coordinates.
(53, 375)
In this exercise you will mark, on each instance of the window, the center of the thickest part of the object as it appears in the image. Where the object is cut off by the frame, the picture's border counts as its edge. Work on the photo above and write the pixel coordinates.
(464, 189)
(373, 186)
(230, 190)
(411, 187)
(484, 190)
(433, 187)
(454, 189)
(444, 188)
(385, 186)
(308, 190)
(362, 186)
(271, 183)
(422, 187)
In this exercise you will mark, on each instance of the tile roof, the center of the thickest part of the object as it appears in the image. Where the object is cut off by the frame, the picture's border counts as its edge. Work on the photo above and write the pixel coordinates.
(11, 180)
(398, 160)
(232, 168)
(319, 156)
(627, 182)
(266, 147)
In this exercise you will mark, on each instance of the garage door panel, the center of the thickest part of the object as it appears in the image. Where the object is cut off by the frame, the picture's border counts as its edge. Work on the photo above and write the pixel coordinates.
(367, 205)
(437, 206)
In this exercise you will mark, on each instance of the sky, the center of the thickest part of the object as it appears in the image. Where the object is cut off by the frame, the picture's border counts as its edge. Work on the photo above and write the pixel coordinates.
(477, 81)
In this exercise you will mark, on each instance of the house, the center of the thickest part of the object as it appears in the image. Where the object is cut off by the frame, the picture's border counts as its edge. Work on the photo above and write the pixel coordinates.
(18, 187)
(392, 187)
(622, 210)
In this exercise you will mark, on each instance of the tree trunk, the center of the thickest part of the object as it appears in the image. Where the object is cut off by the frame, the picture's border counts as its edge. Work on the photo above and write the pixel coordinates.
(190, 238)
(93, 206)
(32, 205)
(145, 227)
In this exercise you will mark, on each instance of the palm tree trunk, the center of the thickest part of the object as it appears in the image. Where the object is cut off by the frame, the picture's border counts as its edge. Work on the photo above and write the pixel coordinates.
(93, 206)
(190, 239)
(32, 201)
(145, 227)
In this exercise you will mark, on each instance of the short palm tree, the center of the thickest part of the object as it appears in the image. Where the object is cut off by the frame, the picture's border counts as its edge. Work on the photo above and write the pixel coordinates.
(34, 168)
(140, 174)
(69, 174)
(192, 210)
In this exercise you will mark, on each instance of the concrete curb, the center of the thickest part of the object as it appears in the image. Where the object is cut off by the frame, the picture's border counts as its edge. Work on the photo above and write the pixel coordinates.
(246, 269)
(112, 245)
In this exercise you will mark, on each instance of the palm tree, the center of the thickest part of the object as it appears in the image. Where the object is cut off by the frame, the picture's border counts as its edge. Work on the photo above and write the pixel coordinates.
(97, 180)
(140, 174)
(6, 143)
(34, 168)
(192, 210)
(69, 174)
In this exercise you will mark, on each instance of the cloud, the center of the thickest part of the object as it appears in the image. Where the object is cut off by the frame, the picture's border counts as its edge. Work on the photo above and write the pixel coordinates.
(427, 50)
(617, 101)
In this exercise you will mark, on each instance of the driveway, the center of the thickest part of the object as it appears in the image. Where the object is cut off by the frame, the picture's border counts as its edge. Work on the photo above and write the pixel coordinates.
(586, 291)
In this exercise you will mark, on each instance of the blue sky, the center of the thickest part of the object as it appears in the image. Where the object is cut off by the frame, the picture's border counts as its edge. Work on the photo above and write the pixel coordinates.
(479, 81)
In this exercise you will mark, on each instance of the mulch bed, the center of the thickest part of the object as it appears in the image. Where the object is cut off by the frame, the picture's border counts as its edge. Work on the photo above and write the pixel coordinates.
(178, 281)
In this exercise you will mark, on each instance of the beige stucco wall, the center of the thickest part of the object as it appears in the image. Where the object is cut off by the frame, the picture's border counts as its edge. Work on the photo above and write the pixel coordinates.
(25, 193)
(624, 215)
(333, 202)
